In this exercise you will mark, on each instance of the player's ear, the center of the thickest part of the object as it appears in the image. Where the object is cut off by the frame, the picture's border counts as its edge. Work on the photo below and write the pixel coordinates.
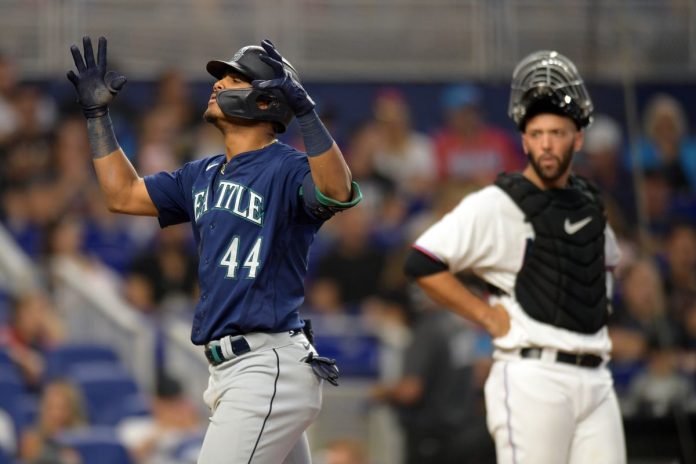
(579, 140)
(524, 144)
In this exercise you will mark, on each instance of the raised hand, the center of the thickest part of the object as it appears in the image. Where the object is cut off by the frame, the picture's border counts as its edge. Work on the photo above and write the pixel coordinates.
(286, 81)
(95, 87)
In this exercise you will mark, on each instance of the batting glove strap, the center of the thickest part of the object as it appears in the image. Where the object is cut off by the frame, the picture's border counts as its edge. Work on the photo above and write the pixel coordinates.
(100, 133)
(324, 368)
(316, 137)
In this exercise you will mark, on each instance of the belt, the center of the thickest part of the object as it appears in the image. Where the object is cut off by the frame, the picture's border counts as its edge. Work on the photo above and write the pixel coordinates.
(583, 360)
(225, 349)
(232, 346)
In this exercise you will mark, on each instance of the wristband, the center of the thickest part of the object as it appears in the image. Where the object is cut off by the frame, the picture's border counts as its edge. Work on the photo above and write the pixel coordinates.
(100, 132)
(316, 138)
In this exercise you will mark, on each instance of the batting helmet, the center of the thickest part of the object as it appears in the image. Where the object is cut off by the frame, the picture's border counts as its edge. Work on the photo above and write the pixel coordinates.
(244, 103)
(546, 81)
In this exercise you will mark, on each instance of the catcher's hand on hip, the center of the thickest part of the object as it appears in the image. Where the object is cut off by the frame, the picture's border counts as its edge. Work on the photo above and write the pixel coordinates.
(295, 95)
(498, 321)
(95, 87)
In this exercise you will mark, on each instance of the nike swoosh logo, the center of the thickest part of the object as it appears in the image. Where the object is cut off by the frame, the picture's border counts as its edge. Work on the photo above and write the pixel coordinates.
(211, 166)
(306, 347)
(572, 227)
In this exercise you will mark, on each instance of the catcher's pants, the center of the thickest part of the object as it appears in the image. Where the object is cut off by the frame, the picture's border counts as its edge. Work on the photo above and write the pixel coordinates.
(545, 412)
(262, 402)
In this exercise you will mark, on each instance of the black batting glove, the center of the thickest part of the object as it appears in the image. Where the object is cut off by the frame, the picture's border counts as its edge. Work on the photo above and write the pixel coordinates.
(324, 368)
(295, 95)
(95, 87)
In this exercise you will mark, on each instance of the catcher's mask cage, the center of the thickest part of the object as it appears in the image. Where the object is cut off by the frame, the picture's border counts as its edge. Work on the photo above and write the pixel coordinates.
(550, 80)
(245, 103)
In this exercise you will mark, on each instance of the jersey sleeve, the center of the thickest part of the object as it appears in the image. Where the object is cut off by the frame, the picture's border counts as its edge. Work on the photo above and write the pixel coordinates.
(465, 237)
(171, 194)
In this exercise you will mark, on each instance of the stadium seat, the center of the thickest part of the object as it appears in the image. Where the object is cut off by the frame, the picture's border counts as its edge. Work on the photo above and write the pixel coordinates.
(4, 458)
(103, 386)
(96, 445)
(5, 359)
(135, 405)
(63, 358)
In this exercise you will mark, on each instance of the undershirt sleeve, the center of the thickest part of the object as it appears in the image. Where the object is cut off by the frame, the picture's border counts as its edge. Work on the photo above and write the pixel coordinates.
(420, 264)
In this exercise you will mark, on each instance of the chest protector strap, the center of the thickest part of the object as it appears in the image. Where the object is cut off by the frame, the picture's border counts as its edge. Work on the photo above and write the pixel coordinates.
(562, 281)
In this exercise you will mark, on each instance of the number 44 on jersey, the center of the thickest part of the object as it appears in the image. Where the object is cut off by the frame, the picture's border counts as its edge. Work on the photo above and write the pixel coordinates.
(230, 259)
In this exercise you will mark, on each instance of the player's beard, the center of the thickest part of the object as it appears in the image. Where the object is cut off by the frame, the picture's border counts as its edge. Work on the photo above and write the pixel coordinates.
(550, 174)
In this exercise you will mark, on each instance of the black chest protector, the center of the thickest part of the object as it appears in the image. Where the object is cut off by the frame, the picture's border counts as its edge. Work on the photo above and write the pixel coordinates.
(562, 281)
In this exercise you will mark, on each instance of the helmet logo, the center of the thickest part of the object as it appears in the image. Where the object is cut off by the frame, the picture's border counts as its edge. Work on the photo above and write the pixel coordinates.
(240, 53)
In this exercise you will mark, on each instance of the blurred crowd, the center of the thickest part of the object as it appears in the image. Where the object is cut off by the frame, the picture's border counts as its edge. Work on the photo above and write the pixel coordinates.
(432, 364)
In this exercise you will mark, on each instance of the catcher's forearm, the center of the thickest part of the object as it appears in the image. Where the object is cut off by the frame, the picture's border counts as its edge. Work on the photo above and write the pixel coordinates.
(445, 289)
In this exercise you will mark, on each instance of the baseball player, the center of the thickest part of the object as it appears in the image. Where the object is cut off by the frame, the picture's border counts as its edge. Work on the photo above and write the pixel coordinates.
(254, 210)
(541, 242)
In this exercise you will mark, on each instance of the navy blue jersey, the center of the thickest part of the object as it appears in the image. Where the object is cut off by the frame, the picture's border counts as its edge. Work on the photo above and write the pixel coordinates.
(253, 232)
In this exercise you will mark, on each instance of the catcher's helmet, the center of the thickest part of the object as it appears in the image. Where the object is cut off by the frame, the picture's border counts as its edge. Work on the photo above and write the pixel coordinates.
(546, 81)
(243, 103)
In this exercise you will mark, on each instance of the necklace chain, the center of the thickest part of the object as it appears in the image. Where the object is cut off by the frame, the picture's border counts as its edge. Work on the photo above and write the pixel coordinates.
(224, 165)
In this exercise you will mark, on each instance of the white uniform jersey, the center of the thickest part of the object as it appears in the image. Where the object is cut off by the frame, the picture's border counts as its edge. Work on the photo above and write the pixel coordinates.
(487, 234)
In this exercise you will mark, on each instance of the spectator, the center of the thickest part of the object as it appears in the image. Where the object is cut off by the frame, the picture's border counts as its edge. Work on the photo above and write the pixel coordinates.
(324, 300)
(62, 408)
(680, 274)
(666, 145)
(170, 265)
(140, 294)
(36, 112)
(353, 262)
(8, 440)
(174, 95)
(659, 197)
(603, 165)
(64, 245)
(8, 85)
(640, 317)
(388, 318)
(158, 148)
(343, 451)
(155, 439)
(402, 154)
(643, 305)
(73, 174)
(362, 147)
(436, 396)
(661, 387)
(467, 148)
(34, 328)
(108, 238)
